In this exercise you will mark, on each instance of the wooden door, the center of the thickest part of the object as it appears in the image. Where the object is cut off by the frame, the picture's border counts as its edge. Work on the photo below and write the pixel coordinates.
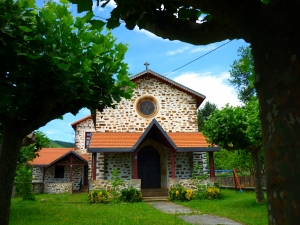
(149, 167)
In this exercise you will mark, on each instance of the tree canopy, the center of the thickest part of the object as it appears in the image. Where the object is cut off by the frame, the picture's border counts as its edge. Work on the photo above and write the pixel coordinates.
(242, 74)
(51, 63)
(237, 128)
(204, 112)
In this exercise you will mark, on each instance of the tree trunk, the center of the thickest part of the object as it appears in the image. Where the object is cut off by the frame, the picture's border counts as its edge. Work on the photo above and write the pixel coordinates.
(257, 176)
(277, 70)
(10, 148)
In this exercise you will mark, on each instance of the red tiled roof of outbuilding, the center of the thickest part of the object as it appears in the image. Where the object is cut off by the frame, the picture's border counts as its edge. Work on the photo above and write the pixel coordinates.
(48, 155)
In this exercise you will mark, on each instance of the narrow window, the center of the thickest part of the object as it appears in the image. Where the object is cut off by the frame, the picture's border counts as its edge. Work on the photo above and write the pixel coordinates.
(59, 172)
(88, 136)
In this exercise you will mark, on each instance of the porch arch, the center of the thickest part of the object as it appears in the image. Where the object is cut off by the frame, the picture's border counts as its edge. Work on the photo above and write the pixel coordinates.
(162, 150)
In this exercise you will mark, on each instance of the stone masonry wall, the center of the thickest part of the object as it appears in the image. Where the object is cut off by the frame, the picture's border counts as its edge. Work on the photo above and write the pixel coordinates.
(105, 184)
(200, 158)
(57, 188)
(183, 165)
(81, 128)
(37, 174)
(121, 161)
(177, 110)
(77, 175)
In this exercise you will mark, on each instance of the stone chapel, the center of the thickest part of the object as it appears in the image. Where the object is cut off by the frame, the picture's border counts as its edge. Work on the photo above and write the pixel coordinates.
(152, 139)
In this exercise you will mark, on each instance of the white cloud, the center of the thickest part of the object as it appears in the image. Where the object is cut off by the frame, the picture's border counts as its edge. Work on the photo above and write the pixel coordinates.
(147, 33)
(84, 112)
(49, 132)
(206, 48)
(212, 86)
(179, 50)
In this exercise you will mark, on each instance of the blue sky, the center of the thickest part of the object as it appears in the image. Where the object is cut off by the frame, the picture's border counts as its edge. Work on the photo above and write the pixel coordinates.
(208, 75)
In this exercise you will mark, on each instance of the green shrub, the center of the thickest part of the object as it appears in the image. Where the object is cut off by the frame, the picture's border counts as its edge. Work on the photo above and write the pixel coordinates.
(131, 195)
(178, 192)
(116, 183)
(213, 192)
(24, 185)
(98, 196)
(200, 193)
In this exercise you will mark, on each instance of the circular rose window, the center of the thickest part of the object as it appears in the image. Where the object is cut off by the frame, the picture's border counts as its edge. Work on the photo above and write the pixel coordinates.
(147, 106)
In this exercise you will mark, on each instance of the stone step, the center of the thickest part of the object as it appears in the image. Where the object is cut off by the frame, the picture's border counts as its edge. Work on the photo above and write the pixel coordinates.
(155, 199)
(154, 192)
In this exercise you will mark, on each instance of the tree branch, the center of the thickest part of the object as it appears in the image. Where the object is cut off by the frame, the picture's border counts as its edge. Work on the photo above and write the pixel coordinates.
(190, 32)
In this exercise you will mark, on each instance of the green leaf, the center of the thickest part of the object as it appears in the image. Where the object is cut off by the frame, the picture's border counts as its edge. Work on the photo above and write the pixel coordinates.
(112, 23)
(131, 20)
(265, 1)
(25, 29)
(87, 17)
(66, 2)
(83, 6)
(245, 64)
(184, 13)
(97, 24)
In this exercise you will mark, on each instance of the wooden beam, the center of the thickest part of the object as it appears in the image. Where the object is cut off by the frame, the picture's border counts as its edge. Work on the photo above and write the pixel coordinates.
(172, 163)
(135, 175)
(94, 165)
(211, 164)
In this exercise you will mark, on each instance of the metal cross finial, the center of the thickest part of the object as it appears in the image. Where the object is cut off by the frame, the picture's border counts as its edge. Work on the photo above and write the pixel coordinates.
(146, 64)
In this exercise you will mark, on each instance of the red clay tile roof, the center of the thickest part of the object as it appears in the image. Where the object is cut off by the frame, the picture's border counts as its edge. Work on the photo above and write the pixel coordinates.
(81, 120)
(49, 155)
(85, 156)
(188, 140)
(114, 140)
(128, 139)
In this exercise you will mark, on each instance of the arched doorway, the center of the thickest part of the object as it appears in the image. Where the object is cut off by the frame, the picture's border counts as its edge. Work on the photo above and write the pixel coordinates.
(149, 167)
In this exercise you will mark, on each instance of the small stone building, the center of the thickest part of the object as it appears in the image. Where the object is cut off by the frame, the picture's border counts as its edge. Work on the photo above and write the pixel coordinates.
(152, 139)
(60, 170)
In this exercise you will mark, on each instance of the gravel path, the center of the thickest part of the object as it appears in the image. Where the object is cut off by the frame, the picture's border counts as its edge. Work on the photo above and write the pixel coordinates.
(191, 216)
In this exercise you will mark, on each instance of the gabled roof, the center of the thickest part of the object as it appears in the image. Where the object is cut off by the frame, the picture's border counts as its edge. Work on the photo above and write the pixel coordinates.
(156, 132)
(199, 97)
(81, 120)
(130, 141)
(49, 156)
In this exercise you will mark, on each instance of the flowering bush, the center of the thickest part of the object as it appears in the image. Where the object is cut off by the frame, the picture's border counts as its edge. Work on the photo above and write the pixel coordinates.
(178, 192)
(131, 195)
(213, 192)
(98, 196)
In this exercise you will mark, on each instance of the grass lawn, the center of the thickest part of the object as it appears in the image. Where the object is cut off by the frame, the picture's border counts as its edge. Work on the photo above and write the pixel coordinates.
(240, 207)
(74, 209)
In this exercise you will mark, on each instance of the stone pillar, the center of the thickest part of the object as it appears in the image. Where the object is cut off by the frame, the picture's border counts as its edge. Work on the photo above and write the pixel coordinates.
(100, 166)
